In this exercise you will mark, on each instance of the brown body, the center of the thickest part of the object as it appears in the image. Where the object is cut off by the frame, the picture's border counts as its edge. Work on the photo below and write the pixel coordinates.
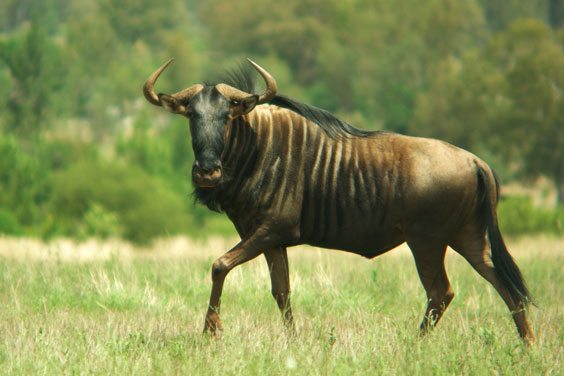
(284, 180)
(362, 195)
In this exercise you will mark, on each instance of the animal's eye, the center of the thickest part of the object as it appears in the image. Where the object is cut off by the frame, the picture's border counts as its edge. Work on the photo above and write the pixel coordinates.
(235, 102)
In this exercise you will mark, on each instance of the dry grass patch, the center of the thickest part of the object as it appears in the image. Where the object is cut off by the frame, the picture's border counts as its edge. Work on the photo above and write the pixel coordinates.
(108, 308)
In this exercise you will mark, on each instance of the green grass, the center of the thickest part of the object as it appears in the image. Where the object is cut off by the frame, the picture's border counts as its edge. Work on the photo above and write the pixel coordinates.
(110, 309)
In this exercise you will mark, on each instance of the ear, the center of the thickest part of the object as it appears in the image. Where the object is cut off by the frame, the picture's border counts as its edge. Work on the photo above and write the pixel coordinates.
(248, 104)
(171, 104)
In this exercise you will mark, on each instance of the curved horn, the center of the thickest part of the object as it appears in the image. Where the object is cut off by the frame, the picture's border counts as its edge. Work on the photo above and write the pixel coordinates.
(271, 89)
(149, 86)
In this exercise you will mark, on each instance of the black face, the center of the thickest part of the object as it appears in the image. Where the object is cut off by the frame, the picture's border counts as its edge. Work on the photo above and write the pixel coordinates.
(209, 112)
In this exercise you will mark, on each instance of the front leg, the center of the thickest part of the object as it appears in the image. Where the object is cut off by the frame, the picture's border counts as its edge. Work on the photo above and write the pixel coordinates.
(246, 250)
(277, 260)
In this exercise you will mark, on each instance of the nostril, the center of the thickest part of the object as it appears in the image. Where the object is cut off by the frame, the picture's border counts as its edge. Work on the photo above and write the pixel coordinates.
(208, 167)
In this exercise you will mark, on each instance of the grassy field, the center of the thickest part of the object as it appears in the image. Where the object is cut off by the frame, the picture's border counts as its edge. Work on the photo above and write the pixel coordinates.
(107, 308)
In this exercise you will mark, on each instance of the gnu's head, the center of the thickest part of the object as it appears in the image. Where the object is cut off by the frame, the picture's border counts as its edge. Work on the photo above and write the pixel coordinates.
(209, 109)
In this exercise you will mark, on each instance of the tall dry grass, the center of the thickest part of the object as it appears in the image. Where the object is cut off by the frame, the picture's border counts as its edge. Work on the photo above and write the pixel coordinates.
(109, 308)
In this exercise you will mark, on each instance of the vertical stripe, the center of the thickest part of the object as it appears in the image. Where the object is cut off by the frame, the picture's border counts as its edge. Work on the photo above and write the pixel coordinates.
(320, 145)
(337, 155)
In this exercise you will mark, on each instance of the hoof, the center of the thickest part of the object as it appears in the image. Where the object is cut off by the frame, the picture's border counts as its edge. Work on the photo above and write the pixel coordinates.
(213, 324)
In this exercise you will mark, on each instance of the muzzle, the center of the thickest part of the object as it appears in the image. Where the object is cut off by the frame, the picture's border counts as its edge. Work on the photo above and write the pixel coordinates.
(207, 175)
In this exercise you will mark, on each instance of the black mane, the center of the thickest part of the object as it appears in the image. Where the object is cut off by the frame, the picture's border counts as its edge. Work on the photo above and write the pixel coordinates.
(243, 78)
(332, 125)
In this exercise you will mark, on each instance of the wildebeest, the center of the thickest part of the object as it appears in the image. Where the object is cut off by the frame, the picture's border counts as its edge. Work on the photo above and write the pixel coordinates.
(287, 173)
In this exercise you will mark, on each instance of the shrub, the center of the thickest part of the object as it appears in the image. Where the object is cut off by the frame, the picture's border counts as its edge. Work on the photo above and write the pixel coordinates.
(59, 154)
(101, 223)
(164, 152)
(91, 193)
(24, 184)
(9, 224)
(519, 216)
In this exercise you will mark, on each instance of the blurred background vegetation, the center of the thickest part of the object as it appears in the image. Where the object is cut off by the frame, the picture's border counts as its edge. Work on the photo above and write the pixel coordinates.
(82, 154)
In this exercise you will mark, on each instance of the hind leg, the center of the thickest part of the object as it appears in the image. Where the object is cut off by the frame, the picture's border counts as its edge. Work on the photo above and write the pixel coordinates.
(475, 248)
(429, 260)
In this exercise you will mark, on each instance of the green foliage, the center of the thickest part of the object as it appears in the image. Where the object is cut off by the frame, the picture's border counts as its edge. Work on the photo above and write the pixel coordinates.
(461, 103)
(485, 75)
(501, 13)
(164, 152)
(9, 224)
(146, 149)
(531, 59)
(36, 68)
(518, 217)
(64, 188)
(51, 13)
(127, 196)
(24, 185)
(100, 223)
(141, 19)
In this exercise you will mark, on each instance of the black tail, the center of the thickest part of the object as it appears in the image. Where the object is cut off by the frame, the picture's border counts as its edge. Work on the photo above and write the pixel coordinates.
(507, 271)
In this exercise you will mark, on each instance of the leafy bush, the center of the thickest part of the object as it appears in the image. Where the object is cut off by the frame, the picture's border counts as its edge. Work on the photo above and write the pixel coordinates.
(146, 148)
(96, 196)
(101, 223)
(519, 216)
(58, 154)
(24, 184)
(165, 152)
(9, 224)
(61, 188)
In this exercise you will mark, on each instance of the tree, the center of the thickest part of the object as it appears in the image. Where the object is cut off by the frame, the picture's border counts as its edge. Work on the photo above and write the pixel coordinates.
(36, 67)
(556, 13)
(50, 13)
(262, 28)
(142, 19)
(531, 58)
(461, 103)
(501, 13)
(397, 46)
